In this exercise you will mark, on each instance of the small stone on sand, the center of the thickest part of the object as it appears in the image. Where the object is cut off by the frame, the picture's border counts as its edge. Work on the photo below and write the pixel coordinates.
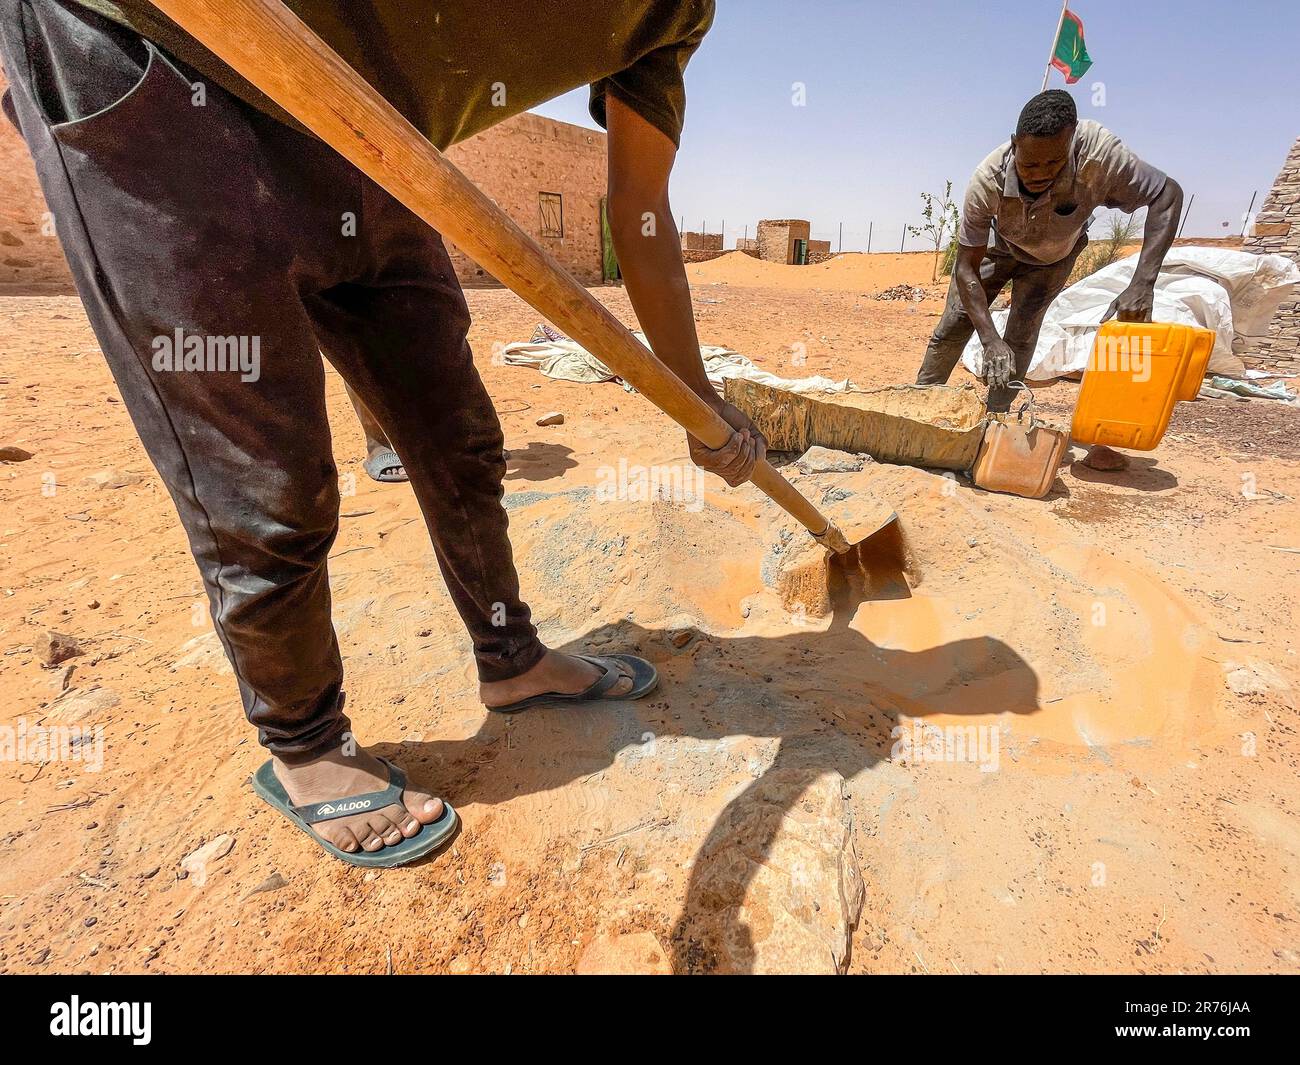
(57, 647)
(827, 460)
(1105, 459)
(198, 863)
(75, 705)
(554, 418)
(274, 882)
(112, 479)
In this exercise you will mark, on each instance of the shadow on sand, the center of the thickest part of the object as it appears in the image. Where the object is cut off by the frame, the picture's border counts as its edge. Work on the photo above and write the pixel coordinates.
(538, 462)
(831, 699)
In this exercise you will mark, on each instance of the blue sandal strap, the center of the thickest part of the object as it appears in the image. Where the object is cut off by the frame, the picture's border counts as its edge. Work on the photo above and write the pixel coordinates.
(316, 812)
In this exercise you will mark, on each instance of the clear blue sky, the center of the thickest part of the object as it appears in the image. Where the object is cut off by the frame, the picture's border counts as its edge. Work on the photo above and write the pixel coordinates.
(904, 95)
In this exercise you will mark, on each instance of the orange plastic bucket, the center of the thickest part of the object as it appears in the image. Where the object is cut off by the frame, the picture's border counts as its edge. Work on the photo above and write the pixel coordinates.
(1135, 375)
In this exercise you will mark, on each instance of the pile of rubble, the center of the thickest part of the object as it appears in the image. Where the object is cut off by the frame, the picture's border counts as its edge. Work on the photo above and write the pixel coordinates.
(911, 293)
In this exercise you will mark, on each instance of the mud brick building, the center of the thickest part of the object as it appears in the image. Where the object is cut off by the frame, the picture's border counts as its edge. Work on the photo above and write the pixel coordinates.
(548, 176)
(777, 237)
(701, 247)
(701, 241)
(1277, 230)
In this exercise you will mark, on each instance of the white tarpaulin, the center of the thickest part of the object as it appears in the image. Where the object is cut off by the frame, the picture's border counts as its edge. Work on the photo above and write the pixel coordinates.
(1233, 293)
(567, 360)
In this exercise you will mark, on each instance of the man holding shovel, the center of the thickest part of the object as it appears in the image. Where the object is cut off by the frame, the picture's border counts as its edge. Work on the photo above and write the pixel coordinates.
(1034, 197)
(196, 215)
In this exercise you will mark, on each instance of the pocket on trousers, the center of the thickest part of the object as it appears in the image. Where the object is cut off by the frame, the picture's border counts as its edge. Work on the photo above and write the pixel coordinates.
(159, 80)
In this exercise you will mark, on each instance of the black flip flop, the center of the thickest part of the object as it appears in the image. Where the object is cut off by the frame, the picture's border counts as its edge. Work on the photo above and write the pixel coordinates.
(645, 678)
(428, 839)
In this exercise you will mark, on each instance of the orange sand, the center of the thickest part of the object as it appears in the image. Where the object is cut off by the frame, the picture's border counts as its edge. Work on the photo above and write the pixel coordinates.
(850, 272)
(1133, 636)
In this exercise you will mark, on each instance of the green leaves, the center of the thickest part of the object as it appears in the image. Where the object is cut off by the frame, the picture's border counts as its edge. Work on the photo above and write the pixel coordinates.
(941, 221)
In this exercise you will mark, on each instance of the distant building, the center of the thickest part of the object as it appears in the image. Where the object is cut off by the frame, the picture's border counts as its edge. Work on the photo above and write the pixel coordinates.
(701, 241)
(779, 239)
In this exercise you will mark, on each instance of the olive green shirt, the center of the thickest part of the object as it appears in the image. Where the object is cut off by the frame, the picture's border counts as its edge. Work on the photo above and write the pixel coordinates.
(453, 69)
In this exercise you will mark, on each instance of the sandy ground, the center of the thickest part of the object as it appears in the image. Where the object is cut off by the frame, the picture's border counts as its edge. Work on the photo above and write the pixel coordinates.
(1130, 640)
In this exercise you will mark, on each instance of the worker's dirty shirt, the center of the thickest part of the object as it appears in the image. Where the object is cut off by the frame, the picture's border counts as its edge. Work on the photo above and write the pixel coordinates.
(453, 69)
(1042, 230)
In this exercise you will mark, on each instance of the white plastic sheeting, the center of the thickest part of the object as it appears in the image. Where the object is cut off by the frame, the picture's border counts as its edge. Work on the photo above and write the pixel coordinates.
(1233, 293)
(567, 360)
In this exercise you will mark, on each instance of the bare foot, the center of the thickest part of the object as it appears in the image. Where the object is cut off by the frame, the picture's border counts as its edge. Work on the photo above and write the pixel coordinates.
(1100, 457)
(554, 673)
(336, 776)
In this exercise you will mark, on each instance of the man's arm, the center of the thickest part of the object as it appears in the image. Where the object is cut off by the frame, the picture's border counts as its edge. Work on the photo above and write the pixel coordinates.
(977, 213)
(999, 359)
(650, 258)
(1136, 302)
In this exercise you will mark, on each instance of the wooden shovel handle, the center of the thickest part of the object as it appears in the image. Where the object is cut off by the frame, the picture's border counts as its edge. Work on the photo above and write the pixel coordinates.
(276, 51)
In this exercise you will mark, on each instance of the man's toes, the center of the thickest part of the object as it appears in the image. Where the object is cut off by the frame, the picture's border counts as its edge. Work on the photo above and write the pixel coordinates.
(422, 809)
(370, 839)
(402, 820)
(404, 825)
(340, 835)
(625, 683)
(383, 827)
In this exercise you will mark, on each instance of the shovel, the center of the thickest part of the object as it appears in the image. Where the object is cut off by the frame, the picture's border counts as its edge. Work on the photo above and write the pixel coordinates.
(270, 47)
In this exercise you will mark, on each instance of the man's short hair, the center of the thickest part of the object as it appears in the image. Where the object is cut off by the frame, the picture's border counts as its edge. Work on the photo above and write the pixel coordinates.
(1048, 114)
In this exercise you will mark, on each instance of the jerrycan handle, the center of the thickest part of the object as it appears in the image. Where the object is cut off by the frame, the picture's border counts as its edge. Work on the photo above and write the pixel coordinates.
(1027, 407)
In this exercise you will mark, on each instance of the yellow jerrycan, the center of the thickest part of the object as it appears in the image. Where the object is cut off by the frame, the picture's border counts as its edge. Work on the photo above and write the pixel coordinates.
(1135, 375)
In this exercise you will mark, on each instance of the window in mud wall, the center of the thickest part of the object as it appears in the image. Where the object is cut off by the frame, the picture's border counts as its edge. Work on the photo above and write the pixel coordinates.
(551, 205)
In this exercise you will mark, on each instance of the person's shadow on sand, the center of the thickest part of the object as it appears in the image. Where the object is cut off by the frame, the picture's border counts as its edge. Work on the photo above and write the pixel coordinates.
(831, 697)
(538, 461)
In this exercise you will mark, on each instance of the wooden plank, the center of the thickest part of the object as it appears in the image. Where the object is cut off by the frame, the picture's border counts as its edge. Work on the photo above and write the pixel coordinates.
(277, 52)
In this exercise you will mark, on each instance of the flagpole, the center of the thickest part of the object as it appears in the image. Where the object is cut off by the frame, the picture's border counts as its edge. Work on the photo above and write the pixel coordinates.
(1055, 37)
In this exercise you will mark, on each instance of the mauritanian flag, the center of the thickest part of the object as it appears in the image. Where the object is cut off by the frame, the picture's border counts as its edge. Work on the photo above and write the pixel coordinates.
(1071, 56)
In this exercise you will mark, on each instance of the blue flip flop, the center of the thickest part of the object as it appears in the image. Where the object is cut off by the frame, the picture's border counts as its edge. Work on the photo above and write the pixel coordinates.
(645, 678)
(428, 839)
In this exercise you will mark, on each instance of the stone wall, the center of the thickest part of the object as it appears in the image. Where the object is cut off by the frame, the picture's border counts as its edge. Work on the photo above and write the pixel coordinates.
(703, 256)
(701, 241)
(819, 251)
(513, 163)
(1277, 230)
